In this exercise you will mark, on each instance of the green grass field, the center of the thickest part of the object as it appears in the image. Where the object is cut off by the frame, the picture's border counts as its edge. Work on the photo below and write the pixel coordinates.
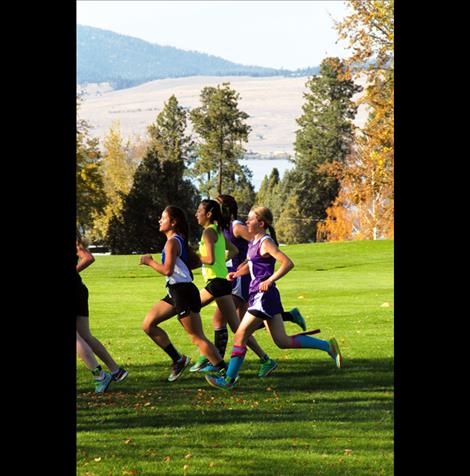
(307, 418)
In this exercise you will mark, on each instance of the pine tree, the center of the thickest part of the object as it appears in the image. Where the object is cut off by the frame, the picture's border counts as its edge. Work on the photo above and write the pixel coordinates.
(169, 132)
(324, 137)
(292, 227)
(267, 195)
(222, 130)
(158, 182)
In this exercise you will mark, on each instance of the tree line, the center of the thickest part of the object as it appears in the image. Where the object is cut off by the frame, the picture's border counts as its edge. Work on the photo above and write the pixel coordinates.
(341, 185)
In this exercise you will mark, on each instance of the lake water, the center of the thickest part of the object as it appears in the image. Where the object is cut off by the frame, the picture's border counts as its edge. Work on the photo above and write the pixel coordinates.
(261, 167)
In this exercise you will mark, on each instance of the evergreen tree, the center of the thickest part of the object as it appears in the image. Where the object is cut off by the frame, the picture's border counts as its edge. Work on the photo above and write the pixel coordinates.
(324, 137)
(169, 132)
(241, 188)
(292, 227)
(222, 131)
(158, 182)
(267, 195)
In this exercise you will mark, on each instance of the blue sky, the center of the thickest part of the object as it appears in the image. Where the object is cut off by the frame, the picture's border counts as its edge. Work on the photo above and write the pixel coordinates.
(278, 34)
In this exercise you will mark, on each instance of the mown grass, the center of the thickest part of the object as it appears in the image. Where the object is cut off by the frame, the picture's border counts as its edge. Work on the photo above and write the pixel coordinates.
(307, 418)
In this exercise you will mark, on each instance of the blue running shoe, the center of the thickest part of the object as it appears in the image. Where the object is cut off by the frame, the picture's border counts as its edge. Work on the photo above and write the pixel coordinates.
(266, 367)
(209, 369)
(102, 385)
(335, 353)
(221, 382)
(201, 362)
(298, 318)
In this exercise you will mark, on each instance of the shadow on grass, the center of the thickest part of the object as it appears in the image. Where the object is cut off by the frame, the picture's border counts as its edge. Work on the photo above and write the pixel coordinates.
(298, 390)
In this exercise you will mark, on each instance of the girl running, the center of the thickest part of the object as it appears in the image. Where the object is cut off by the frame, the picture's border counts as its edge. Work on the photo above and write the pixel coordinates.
(183, 296)
(238, 234)
(264, 300)
(87, 344)
(214, 270)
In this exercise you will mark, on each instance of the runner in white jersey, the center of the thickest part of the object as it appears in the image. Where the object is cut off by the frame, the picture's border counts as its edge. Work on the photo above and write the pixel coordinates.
(182, 298)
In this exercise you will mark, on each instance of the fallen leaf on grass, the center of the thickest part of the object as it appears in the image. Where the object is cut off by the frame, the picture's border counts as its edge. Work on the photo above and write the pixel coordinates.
(186, 466)
(189, 455)
(348, 452)
(167, 459)
(211, 464)
(98, 459)
(130, 471)
(127, 441)
(385, 304)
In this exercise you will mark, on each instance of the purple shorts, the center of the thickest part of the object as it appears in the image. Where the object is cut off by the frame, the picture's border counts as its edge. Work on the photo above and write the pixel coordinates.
(265, 305)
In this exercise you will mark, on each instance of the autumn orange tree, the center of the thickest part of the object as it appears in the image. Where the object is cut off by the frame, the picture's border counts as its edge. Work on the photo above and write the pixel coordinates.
(367, 175)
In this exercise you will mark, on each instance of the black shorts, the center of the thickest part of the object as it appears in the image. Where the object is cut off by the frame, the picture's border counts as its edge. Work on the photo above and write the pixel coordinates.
(184, 297)
(81, 300)
(219, 287)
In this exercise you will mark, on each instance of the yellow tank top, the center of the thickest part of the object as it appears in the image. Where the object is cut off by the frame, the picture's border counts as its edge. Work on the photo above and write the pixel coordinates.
(219, 268)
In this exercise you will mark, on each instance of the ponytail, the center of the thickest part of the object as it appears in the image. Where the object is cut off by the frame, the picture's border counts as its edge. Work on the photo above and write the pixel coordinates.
(229, 207)
(272, 233)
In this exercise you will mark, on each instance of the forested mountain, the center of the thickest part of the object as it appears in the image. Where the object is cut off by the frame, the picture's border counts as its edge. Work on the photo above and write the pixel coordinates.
(124, 61)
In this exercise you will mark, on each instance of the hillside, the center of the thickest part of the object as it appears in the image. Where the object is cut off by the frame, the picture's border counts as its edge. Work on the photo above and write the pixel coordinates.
(124, 61)
(273, 104)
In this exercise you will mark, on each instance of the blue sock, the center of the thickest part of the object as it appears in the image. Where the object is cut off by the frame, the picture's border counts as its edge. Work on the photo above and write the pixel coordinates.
(236, 360)
(310, 342)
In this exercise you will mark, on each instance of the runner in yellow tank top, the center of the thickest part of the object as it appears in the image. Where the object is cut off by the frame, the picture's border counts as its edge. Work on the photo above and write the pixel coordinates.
(213, 257)
(218, 269)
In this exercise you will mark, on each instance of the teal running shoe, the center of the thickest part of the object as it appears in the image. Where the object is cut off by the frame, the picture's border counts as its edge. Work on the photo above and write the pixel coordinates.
(224, 383)
(102, 385)
(200, 364)
(335, 353)
(266, 367)
(209, 369)
(298, 318)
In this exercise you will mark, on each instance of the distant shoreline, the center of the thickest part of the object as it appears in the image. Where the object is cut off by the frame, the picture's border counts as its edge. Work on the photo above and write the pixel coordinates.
(283, 156)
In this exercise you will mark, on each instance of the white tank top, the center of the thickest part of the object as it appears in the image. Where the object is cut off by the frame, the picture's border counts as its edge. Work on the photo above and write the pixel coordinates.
(181, 273)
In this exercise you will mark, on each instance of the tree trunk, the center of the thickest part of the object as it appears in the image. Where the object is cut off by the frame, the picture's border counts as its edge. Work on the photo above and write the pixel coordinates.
(219, 188)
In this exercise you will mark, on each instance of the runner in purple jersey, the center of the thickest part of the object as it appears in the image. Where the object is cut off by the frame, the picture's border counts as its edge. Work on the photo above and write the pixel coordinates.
(238, 234)
(265, 301)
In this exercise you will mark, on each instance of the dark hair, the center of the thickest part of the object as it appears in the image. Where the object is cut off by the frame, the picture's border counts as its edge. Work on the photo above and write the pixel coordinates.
(265, 214)
(228, 206)
(178, 215)
(214, 207)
